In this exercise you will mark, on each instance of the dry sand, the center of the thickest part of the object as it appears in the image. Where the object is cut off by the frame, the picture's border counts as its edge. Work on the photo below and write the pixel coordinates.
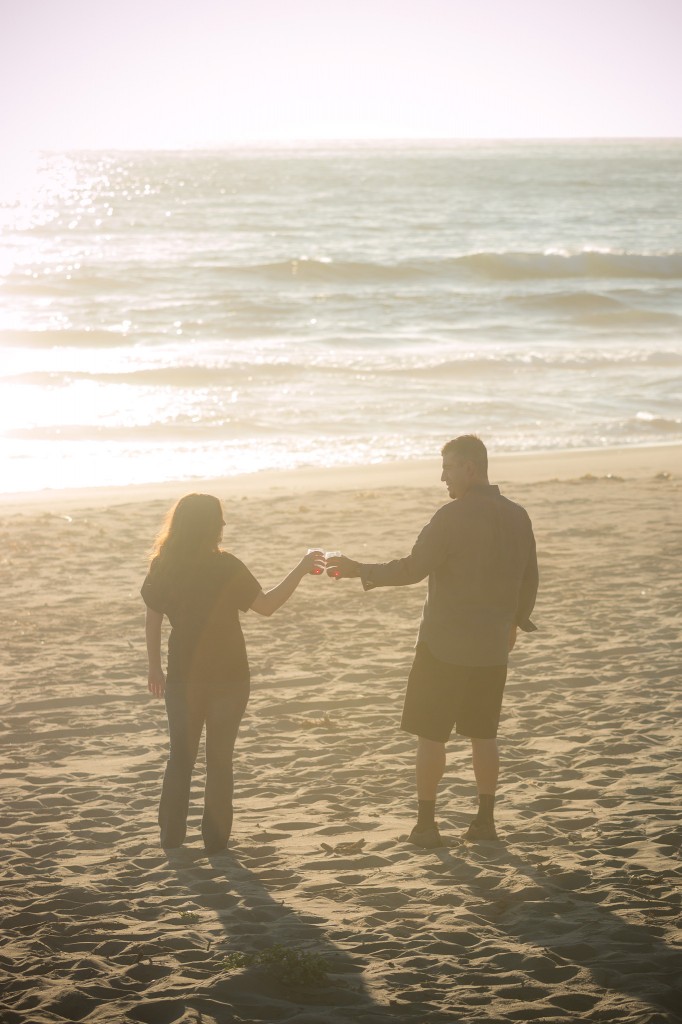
(571, 916)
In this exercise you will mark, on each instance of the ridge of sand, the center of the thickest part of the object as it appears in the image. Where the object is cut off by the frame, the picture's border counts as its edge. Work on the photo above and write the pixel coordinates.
(631, 461)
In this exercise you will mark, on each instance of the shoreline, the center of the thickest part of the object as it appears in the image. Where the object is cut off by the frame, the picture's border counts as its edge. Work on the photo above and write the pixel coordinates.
(639, 461)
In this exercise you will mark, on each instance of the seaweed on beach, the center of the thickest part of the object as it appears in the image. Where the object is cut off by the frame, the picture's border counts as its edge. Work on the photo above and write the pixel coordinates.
(293, 967)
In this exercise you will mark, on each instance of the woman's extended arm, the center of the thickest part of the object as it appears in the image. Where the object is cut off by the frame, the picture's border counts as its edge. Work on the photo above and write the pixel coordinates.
(156, 680)
(267, 603)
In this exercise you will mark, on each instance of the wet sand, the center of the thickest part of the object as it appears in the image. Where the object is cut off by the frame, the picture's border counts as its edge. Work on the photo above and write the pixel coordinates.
(572, 915)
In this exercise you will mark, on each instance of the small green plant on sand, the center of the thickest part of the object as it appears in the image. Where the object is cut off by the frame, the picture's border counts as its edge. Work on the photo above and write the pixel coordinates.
(189, 917)
(291, 966)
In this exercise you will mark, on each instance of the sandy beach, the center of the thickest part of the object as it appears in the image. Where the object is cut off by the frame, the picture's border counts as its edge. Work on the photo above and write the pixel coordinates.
(572, 915)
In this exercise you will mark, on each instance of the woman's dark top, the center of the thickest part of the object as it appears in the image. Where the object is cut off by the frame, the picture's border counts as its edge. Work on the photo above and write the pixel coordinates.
(202, 603)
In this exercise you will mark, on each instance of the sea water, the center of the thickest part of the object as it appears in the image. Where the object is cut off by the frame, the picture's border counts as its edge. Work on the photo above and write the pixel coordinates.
(186, 315)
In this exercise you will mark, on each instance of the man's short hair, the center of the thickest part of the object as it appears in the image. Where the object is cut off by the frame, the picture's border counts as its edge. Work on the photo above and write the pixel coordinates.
(469, 447)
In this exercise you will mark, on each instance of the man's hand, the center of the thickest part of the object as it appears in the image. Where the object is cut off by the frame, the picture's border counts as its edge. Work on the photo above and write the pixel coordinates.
(512, 637)
(341, 568)
(156, 682)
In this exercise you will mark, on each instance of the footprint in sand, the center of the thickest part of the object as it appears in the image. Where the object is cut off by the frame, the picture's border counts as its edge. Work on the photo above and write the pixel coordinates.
(285, 826)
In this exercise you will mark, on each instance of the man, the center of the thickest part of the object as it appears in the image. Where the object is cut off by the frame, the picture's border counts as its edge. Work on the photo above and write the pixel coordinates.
(478, 552)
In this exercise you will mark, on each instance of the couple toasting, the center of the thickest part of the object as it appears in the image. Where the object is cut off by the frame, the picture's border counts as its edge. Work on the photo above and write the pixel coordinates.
(478, 553)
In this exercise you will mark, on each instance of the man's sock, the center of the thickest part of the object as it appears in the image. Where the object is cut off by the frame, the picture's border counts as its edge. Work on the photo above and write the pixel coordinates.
(486, 806)
(426, 813)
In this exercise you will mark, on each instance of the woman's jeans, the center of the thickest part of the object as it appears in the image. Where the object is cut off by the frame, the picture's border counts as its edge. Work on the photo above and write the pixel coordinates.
(189, 708)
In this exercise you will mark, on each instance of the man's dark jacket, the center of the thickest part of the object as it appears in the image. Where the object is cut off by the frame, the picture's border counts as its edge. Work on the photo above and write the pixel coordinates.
(479, 554)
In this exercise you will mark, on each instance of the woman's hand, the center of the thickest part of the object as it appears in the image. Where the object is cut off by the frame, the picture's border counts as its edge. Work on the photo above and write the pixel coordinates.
(156, 682)
(312, 564)
(266, 603)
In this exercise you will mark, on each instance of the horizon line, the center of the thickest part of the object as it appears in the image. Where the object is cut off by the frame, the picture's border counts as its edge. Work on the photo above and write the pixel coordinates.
(259, 143)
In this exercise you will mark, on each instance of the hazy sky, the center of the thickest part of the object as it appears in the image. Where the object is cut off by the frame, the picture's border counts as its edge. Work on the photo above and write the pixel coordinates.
(137, 73)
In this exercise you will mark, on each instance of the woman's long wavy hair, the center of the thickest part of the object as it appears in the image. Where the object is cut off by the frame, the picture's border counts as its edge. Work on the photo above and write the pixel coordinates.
(190, 532)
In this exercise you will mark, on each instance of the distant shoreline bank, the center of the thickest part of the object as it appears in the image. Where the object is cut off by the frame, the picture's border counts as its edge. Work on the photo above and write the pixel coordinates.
(633, 461)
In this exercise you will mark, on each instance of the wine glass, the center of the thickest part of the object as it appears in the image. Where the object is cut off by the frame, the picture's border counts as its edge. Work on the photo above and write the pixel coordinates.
(316, 570)
(333, 572)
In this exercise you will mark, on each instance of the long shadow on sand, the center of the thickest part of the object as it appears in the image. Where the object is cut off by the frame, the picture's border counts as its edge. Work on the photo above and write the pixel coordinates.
(561, 916)
(249, 918)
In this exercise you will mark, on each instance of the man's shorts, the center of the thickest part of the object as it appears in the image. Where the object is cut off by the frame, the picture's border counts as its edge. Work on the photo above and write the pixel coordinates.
(441, 697)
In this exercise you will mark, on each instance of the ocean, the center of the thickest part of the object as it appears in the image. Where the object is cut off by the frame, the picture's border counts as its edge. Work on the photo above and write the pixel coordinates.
(187, 315)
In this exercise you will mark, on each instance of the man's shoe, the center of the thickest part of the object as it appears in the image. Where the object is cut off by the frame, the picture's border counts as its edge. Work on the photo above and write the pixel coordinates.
(215, 849)
(481, 830)
(428, 837)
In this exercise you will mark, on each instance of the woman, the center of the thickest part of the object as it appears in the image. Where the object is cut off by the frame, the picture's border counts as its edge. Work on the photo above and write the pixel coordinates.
(202, 590)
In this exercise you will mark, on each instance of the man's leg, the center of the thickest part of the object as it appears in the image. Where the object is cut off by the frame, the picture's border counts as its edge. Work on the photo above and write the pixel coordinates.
(486, 763)
(430, 768)
(429, 713)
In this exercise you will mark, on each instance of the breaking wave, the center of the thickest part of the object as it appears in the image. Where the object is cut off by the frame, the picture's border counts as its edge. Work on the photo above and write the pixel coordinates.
(496, 265)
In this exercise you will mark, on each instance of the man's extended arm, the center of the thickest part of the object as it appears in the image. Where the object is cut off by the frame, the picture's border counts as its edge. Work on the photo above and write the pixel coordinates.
(428, 551)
